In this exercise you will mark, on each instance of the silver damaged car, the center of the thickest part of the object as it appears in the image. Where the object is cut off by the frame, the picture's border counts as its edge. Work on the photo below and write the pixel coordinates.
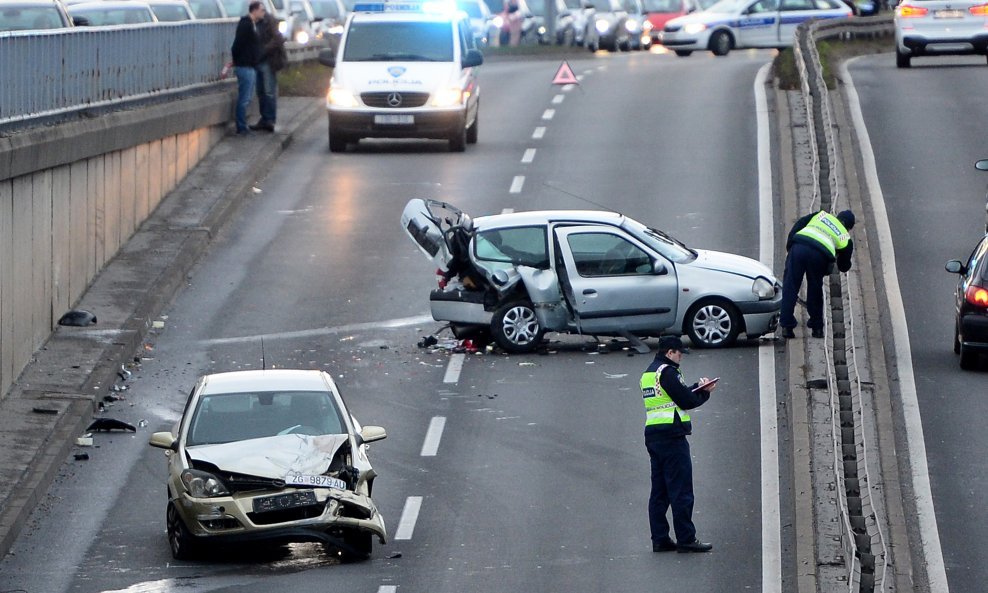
(273, 456)
(523, 274)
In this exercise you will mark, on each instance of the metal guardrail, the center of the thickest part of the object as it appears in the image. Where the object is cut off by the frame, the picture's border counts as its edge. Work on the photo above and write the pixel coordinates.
(865, 547)
(47, 73)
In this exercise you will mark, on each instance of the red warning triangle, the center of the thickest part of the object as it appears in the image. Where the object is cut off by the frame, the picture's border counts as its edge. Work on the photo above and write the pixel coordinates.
(565, 75)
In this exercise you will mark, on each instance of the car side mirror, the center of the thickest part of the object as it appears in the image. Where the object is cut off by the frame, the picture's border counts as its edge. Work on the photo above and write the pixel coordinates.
(327, 57)
(473, 58)
(369, 434)
(164, 440)
(80, 21)
(955, 266)
(659, 268)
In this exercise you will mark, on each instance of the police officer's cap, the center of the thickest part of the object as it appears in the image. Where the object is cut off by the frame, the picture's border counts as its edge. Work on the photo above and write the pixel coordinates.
(846, 218)
(667, 343)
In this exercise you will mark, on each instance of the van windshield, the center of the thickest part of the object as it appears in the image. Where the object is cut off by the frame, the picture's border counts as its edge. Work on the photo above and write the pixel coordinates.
(399, 42)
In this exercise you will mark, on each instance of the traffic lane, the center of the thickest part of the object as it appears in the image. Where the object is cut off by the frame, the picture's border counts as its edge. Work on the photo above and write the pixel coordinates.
(936, 208)
(679, 157)
(541, 480)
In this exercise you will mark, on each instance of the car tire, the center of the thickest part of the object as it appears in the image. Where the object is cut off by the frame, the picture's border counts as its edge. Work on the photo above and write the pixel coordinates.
(902, 60)
(181, 542)
(684, 53)
(712, 323)
(720, 43)
(474, 130)
(359, 545)
(516, 328)
(337, 141)
(458, 140)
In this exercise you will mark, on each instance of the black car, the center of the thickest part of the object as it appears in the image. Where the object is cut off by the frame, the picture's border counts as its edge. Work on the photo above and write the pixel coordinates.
(971, 304)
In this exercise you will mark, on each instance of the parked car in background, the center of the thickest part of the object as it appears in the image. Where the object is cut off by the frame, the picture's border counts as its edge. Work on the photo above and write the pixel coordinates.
(270, 456)
(503, 16)
(171, 11)
(33, 15)
(660, 12)
(523, 274)
(638, 25)
(562, 20)
(208, 9)
(939, 27)
(111, 12)
(481, 20)
(739, 24)
(304, 19)
(578, 13)
(330, 18)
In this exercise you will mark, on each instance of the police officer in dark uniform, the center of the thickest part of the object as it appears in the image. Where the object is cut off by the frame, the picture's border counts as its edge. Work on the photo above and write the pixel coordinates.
(816, 241)
(667, 397)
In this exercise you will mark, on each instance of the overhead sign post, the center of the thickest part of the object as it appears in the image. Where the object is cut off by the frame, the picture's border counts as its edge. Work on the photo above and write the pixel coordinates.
(565, 75)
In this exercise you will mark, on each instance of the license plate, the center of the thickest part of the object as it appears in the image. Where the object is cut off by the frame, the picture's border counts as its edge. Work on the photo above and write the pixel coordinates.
(948, 14)
(289, 500)
(394, 120)
(315, 481)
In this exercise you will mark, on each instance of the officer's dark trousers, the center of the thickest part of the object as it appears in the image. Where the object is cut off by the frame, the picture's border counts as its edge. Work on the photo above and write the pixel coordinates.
(803, 260)
(672, 485)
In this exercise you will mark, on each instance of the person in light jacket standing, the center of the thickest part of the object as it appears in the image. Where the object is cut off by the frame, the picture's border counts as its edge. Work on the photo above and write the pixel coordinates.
(246, 51)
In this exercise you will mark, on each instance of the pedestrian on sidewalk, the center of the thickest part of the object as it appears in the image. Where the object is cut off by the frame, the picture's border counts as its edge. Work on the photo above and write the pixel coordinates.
(816, 241)
(667, 424)
(273, 58)
(246, 51)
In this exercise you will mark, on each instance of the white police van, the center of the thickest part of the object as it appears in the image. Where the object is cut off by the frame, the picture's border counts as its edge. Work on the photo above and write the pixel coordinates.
(404, 70)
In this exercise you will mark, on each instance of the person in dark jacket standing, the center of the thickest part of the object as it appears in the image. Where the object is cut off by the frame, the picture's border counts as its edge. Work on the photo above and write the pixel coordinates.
(667, 424)
(246, 52)
(816, 241)
(273, 58)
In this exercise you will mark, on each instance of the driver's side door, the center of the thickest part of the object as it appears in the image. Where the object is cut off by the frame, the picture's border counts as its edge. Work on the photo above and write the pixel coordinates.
(758, 25)
(613, 283)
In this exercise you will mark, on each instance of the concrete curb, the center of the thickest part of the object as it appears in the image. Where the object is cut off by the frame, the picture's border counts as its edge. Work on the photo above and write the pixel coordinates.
(56, 395)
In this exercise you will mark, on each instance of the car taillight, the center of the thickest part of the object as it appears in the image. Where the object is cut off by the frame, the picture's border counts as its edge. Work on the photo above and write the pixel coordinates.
(910, 11)
(979, 10)
(977, 296)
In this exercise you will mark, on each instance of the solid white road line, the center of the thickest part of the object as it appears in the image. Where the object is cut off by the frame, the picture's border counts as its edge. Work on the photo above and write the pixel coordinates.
(455, 367)
(771, 523)
(529, 156)
(538, 133)
(926, 515)
(409, 515)
(387, 589)
(516, 184)
(558, 99)
(507, 210)
(432, 436)
(548, 113)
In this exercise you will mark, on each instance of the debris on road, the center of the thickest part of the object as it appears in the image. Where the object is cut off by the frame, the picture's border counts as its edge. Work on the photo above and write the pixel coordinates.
(108, 424)
(85, 440)
(50, 411)
(81, 456)
(77, 318)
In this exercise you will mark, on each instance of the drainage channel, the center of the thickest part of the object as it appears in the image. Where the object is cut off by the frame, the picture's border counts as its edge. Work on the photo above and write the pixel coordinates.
(860, 523)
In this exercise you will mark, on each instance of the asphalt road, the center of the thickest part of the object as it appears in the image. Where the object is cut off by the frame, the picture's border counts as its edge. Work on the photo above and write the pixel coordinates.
(926, 133)
(539, 481)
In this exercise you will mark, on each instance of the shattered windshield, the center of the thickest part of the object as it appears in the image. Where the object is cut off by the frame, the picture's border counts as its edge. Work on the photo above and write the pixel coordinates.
(232, 417)
(671, 248)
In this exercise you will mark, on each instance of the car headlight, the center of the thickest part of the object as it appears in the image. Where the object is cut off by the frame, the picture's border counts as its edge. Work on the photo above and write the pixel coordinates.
(202, 484)
(541, 30)
(447, 97)
(602, 25)
(498, 22)
(336, 30)
(647, 26)
(763, 288)
(282, 27)
(631, 25)
(340, 97)
(694, 28)
(302, 37)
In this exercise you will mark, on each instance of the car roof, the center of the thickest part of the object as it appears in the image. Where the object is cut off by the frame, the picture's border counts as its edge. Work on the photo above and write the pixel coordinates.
(29, 3)
(406, 17)
(109, 5)
(545, 216)
(267, 380)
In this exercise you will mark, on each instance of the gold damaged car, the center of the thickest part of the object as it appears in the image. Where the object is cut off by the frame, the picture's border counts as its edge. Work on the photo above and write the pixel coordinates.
(273, 456)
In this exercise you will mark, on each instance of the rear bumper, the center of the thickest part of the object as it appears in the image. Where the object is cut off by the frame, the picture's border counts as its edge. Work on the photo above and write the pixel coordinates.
(918, 44)
(974, 332)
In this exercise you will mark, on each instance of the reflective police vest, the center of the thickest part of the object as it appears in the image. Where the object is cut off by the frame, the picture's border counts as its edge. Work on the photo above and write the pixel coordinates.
(659, 407)
(827, 230)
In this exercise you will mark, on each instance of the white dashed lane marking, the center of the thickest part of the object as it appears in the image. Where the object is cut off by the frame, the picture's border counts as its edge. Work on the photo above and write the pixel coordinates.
(538, 133)
(454, 368)
(548, 113)
(529, 156)
(432, 436)
(516, 184)
(409, 515)
(558, 99)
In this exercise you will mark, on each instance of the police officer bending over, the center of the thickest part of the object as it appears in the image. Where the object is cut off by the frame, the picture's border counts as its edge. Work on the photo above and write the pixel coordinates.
(815, 242)
(667, 397)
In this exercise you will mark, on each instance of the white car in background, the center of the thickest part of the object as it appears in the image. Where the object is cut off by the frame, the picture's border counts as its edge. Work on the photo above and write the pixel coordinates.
(739, 24)
(940, 27)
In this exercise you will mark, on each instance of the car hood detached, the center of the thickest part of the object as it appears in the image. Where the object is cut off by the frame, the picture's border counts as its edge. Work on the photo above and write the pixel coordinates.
(272, 457)
(728, 262)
